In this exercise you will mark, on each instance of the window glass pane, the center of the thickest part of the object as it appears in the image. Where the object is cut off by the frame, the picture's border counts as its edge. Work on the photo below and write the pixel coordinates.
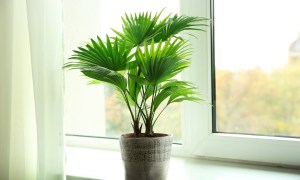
(257, 57)
(96, 110)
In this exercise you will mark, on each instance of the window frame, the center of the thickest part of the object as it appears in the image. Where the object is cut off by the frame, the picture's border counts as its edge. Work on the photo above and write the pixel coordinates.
(198, 136)
(280, 151)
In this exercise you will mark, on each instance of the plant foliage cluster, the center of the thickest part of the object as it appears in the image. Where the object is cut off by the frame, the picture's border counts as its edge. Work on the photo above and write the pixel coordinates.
(141, 62)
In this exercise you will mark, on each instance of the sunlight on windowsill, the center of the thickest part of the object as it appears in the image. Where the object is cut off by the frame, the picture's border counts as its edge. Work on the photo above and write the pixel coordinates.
(94, 164)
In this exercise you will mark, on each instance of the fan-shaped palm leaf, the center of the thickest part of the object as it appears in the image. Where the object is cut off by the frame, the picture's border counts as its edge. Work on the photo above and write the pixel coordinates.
(112, 55)
(163, 61)
(106, 75)
(140, 28)
(176, 91)
(177, 24)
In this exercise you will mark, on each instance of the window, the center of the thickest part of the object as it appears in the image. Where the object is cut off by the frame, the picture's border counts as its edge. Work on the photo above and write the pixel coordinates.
(266, 149)
(257, 67)
(197, 135)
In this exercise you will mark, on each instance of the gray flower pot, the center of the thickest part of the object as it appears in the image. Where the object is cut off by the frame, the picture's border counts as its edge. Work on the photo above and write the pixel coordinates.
(146, 158)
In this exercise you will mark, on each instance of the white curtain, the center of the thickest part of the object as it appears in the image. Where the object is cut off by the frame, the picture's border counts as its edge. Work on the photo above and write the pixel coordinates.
(31, 116)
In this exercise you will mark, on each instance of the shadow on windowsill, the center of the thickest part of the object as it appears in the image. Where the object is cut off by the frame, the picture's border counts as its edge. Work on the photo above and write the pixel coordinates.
(79, 178)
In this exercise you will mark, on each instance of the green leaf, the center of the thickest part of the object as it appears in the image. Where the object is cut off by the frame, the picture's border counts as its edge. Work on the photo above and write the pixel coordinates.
(175, 83)
(194, 99)
(162, 62)
(184, 93)
(176, 91)
(177, 24)
(106, 75)
(92, 82)
(141, 27)
(138, 79)
(133, 86)
(149, 91)
(113, 55)
(161, 97)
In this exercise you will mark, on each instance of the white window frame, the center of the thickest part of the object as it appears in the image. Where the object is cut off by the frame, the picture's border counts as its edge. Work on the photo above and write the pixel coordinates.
(279, 151)
(197, 137)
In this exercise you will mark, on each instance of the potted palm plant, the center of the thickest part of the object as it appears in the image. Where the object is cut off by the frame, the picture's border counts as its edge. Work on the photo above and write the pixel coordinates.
(141, 62)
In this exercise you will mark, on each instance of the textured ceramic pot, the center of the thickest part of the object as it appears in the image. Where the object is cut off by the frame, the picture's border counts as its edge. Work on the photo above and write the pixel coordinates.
(146, 158)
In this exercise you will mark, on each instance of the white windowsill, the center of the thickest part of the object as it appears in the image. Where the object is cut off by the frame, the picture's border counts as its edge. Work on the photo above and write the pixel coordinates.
(102, 164)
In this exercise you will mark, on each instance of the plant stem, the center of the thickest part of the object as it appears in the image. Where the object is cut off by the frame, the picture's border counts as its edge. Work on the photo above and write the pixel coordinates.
(140, 109)
(128, 105)
(135, 122)
(144, 91)
(135, 91)
(159, 114)
(149, 120)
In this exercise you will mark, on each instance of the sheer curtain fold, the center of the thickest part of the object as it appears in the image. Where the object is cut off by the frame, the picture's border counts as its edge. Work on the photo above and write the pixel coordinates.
(45, 30)
(5, 85)
(31, 124)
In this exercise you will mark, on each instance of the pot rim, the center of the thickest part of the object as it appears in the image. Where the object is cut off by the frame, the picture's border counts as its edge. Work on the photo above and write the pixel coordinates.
(160, 135)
